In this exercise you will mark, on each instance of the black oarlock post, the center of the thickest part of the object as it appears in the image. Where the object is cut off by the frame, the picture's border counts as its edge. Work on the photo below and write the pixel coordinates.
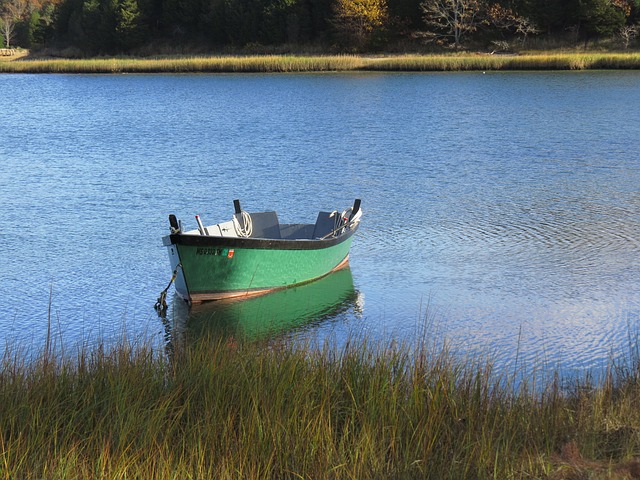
(173, 222)
(356, 207)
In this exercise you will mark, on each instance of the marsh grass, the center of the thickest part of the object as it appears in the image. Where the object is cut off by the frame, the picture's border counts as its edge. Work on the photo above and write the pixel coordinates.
(335, 63)
(544, 61)
(226, 64)
(222, 408)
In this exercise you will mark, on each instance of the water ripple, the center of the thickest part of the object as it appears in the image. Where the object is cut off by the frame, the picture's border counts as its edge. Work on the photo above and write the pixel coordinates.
(491, 200)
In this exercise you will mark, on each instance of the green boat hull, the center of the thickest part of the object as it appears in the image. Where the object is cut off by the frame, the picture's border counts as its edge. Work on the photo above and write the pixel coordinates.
(214, 268)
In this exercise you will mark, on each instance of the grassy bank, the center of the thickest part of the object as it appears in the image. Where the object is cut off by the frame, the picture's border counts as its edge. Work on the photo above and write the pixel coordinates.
(222, 409)
(285, 63)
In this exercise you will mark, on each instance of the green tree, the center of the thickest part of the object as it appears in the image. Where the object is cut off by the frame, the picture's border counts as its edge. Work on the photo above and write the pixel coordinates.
(41, 25)
(278, 21)
(550, 16)
(100, 26)
(600, 18)
(97, 26)
(185, 20)
(635, 11)
(243, 19)
(262, 22)
(129, 29)
(37, 26)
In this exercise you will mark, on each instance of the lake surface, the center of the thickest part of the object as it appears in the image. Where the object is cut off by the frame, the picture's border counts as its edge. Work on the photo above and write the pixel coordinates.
(501, 210)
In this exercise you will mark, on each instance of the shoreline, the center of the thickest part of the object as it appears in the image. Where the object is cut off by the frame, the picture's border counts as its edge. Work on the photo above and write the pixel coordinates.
(329, 63)
(271, 409)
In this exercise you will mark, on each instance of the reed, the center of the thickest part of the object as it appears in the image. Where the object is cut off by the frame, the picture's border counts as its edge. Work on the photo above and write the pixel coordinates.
(227, 409)
(288, 63)
(237, 64)
(550, 61)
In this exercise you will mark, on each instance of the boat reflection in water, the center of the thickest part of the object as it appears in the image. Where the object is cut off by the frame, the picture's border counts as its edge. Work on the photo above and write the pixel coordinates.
(267, 315)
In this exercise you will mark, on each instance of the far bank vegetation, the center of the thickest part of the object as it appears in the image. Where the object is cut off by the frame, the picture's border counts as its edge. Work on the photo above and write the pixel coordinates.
(80, 28)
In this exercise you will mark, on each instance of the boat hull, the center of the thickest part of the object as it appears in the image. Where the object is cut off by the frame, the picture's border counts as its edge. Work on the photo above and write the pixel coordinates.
(214, 268)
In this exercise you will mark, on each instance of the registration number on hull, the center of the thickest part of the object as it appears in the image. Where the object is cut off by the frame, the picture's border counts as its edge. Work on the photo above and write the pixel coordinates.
(225, 252)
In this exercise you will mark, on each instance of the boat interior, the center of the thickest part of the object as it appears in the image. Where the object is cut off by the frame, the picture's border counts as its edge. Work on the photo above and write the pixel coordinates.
(265, 225)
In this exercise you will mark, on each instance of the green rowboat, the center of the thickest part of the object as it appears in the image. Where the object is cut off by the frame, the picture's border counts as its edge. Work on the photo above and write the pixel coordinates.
(253, 253)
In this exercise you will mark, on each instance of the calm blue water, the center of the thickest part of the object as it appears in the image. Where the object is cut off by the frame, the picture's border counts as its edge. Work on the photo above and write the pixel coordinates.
(502, 210)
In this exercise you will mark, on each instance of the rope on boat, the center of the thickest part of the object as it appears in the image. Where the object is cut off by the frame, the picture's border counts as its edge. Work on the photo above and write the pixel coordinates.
(161, 304)
(244, 229)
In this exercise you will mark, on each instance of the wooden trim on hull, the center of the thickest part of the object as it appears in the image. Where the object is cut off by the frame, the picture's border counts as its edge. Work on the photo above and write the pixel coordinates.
(250, 293)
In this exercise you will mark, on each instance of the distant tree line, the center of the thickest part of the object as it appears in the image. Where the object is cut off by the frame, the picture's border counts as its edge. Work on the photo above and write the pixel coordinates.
(129, 26)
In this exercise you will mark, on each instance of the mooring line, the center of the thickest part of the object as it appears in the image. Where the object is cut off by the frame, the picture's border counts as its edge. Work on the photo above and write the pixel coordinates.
(161, 304)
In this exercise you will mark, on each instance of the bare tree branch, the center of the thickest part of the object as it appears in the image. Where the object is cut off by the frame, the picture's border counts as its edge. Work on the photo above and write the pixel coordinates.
(628, 33)
(11, 13)
(452, 18)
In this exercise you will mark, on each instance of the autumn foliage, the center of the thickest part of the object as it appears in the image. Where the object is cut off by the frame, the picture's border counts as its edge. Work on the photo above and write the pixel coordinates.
(90, 27)
(357, 21)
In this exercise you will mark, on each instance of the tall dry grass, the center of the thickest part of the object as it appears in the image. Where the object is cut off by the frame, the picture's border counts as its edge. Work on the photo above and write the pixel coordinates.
(338, 63)
(226, 409)
(239, 64)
